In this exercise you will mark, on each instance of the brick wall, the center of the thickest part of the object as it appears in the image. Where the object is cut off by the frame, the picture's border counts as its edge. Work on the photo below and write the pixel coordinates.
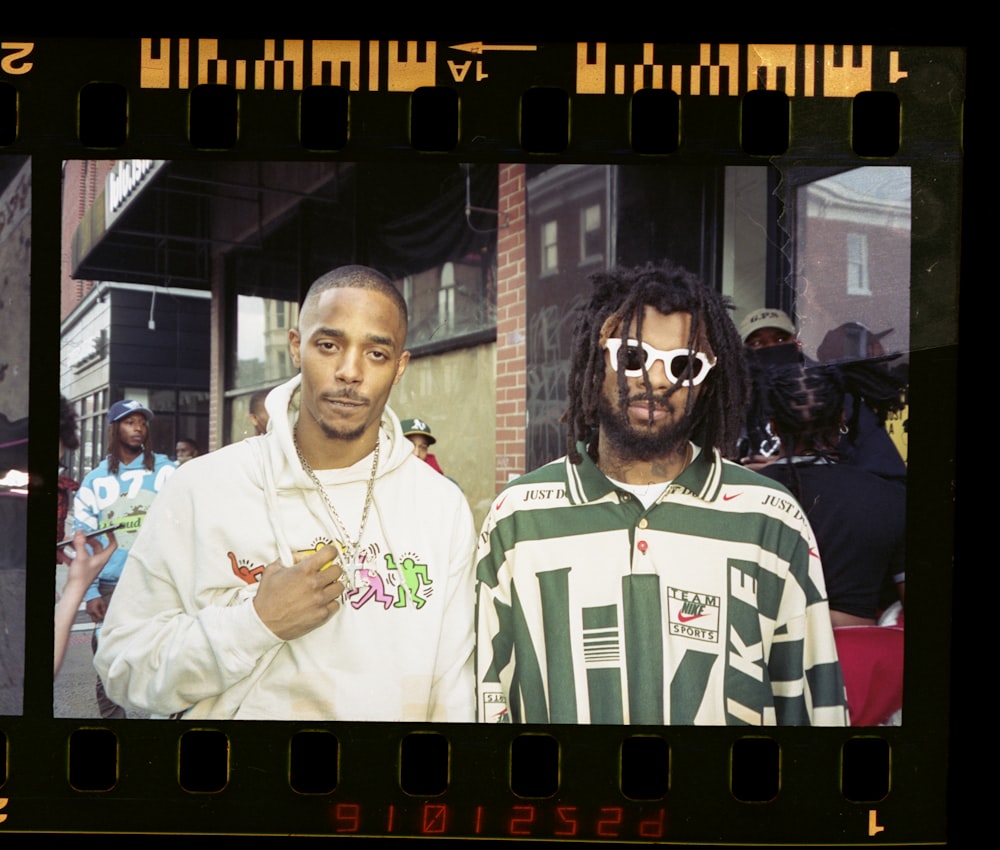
(83, 181)
(511, 395)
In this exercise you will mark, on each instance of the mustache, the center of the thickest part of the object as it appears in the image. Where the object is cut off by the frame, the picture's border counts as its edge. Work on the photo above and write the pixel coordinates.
(662, 400)
(346, 395)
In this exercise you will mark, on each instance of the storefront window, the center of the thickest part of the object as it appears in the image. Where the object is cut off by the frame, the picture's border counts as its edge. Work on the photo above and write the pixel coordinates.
(451, 300)
(262, 326)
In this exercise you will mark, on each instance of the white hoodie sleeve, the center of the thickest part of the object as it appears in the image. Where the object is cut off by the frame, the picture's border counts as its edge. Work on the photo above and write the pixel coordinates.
(179, 630)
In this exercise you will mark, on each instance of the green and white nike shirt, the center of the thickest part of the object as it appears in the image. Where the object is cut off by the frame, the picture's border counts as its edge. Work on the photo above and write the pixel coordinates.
(708, 608)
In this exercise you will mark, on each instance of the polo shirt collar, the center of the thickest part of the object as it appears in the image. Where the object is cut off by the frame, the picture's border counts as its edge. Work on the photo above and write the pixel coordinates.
(586, 483)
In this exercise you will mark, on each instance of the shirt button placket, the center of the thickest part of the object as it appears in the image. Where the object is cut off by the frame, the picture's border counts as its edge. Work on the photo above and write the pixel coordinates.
(641, 544)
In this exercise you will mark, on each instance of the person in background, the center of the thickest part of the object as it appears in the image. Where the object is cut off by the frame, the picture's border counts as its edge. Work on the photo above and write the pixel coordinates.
(771, 340)
(418, 432)
(258, 412)
(119, 490)
(186, 450)
(868, 444)
(84, 566)
(769, 327)
(859, 518)
(66, 486)
(769, 337)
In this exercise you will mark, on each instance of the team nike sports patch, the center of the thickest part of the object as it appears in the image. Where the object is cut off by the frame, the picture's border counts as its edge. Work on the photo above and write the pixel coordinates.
(694, 615)
(494, 708)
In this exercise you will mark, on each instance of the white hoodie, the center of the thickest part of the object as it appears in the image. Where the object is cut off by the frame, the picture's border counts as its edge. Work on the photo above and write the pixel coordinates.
(182, 634)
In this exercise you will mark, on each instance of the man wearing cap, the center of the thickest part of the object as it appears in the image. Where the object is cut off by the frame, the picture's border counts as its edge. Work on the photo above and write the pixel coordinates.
(768, 327)
(770, 339)
(118, 492)
(418, 432)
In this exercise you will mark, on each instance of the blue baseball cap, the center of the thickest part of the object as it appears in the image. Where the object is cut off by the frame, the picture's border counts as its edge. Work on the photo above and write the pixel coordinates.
(126, 407)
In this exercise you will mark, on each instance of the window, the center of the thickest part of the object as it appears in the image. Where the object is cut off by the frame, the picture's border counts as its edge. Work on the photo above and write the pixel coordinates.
(591, 234)
(550, 250)
(857, 264)
(851, 237)
(450, 300)
(262, 340)
(446, 298)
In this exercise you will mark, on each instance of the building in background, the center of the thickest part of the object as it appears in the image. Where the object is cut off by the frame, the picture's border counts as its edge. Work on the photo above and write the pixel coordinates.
(491, 259)
(15, 286)
(228, 249)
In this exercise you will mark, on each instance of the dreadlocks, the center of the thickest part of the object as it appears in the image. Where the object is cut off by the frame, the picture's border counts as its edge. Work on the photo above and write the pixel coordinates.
(619, 298)
(806, 404)
(114, 447)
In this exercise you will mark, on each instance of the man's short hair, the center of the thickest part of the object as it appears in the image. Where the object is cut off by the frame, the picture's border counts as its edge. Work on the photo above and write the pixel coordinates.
(256, 404)
(356, 277)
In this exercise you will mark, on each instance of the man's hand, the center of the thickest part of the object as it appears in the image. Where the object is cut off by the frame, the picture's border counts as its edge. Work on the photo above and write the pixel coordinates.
(292, 601)
(97, 608)
(89, 559)
(756, 462)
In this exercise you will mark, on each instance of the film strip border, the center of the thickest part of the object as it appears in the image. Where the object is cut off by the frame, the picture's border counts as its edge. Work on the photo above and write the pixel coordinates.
(302, 98)
(577, 102)
(587, 783)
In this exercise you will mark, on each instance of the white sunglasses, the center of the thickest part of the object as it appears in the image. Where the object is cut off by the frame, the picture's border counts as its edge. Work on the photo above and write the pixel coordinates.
(681, 366)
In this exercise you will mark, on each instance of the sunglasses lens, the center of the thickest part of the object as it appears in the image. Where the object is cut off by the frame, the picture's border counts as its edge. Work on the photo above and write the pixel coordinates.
(633, 358)
(680, 364)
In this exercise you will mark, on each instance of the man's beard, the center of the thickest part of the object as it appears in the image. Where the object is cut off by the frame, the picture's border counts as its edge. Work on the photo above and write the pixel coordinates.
(338, 433)
(334, 433)
(645, 444)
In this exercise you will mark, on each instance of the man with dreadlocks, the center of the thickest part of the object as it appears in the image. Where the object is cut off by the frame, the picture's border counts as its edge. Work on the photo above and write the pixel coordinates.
(642, 579)
(119, 490)
(858, 517)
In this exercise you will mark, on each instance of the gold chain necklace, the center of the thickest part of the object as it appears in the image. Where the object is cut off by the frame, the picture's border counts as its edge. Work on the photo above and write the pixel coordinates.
(352, 546)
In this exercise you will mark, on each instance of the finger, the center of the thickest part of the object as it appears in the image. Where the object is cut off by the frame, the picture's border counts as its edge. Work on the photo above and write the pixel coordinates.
(330, 555)
(337, 590)
(332, 582)
(319, 560)
(79, 543)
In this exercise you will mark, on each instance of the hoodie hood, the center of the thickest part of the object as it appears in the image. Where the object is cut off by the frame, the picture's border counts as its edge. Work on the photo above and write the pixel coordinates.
(281, 470)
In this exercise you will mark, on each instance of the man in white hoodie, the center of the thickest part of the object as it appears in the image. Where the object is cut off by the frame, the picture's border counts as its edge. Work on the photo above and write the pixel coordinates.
(320, 571)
